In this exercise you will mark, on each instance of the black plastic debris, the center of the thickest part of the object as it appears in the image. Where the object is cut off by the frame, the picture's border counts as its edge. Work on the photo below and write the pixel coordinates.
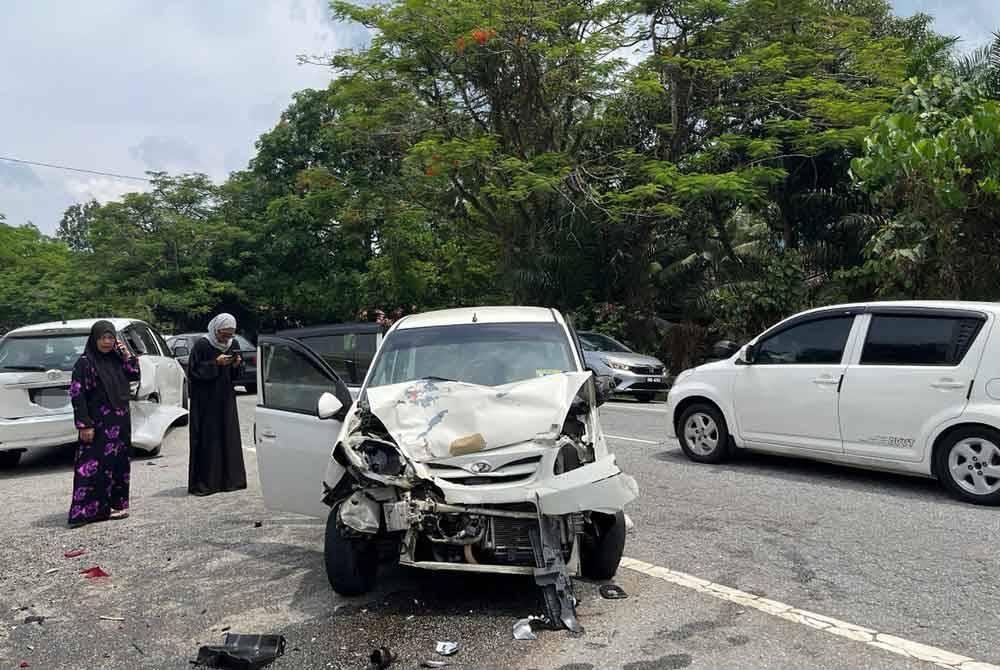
(34, 619)
(613, 592)
(381, 659)
(242, 652)
(258, 524)
(433, 664)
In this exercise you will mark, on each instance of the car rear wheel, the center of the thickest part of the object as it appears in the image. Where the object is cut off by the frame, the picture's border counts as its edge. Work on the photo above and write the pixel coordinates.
(703, 434)
(9, 459)
(602, 546)
(968, 465)
(351, 562)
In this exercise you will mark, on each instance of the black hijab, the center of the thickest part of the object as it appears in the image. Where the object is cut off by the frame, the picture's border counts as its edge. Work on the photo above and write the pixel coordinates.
(108, 366)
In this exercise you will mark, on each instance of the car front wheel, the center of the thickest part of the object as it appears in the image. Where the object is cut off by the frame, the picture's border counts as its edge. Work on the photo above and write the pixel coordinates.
(968, 465)
(351, 562)
(602, 546)
(703, 434)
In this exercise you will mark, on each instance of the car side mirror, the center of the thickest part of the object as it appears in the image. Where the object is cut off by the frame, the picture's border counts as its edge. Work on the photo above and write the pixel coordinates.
(747, 355)
(180, 352)
(328, 406)
(133, 389)
(604, 386)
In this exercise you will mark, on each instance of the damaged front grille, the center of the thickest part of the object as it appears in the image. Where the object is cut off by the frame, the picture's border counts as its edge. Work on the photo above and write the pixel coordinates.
(508, 473)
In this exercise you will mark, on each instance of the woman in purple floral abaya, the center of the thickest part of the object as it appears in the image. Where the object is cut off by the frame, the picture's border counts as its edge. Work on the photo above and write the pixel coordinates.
(100, 393)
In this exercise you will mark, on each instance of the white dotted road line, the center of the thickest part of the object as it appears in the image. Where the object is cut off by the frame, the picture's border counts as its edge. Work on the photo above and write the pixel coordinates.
(873, 638)
(630, 439)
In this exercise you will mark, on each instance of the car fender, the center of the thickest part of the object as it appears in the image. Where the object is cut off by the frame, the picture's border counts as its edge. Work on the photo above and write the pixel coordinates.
(698, 388)
(150, 422)
(986, 413)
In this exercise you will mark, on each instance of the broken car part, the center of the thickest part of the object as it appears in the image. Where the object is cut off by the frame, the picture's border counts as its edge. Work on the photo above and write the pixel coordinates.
(381, 659)
(242, 652)
(613, 592)
(447, 648)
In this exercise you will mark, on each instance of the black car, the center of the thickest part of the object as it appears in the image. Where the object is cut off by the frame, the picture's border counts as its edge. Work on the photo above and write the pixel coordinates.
(181, 346)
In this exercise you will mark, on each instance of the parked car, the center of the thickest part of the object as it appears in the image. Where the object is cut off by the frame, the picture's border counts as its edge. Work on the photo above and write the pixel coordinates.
(36, 364)
(909, 387)
(635, 374)
(475, 445)
(348, 348)
(181, 346)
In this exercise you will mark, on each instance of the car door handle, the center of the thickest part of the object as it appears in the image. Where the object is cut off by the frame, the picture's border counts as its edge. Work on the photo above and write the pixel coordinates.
(268, 434)
(826, 381)
(946, 385)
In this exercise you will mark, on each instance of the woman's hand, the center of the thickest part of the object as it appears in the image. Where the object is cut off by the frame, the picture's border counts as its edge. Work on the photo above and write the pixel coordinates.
(122, 350)
(86, 435)
(224, 360)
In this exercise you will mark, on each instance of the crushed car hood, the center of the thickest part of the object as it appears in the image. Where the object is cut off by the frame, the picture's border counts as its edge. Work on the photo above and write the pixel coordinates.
(431, 419)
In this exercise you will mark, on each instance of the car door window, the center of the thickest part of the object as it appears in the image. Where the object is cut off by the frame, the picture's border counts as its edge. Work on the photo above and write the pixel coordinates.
(814, 342)
(919, 340)
(291, 381)
(131, 337)
(148, 341)
(160, 342)
(338, 352)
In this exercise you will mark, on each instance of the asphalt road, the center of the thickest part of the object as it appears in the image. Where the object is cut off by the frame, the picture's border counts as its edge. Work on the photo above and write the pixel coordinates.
(875, 551)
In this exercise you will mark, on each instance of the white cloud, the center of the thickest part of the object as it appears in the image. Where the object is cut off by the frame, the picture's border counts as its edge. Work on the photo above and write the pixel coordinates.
(102, 189)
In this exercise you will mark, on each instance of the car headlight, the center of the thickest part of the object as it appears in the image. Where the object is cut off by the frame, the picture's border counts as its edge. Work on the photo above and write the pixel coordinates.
(612, 363)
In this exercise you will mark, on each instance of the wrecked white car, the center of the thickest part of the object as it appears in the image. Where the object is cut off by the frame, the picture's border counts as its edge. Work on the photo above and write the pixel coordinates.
(36, 364)
(475, 444)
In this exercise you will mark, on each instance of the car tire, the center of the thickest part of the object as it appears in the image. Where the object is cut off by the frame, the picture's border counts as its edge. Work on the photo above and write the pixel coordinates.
(351, 563)
(703, 434)
(646, 396)
(963, 460)
(9, 459)
(602, 546)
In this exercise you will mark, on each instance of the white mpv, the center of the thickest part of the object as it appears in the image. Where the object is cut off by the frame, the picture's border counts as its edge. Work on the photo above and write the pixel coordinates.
(908, 387)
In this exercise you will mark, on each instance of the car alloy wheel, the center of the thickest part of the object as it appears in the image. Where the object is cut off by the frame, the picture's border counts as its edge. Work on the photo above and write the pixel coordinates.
(701, 433)
(974, 464)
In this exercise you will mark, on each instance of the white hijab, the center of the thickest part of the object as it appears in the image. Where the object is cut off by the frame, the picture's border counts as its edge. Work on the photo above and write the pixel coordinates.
(221, 322)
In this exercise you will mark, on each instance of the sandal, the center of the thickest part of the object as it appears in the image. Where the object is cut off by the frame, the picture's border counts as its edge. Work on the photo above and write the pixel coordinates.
(118, 514)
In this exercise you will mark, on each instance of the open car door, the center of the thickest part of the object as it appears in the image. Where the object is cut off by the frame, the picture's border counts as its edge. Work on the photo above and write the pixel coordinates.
(293, 443)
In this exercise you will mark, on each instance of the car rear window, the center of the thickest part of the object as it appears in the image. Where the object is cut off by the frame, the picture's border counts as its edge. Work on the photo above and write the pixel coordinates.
(919, 340)
(54, 352)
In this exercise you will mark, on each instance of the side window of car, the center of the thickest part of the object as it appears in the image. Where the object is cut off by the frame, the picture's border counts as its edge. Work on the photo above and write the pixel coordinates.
(161, 343)
(338, 352)
(919, 340)
(291, 381)
(131, 337)
(814, 342)
(148, 341)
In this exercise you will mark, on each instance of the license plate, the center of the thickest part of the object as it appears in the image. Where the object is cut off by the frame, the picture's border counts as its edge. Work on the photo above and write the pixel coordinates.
(653, 380)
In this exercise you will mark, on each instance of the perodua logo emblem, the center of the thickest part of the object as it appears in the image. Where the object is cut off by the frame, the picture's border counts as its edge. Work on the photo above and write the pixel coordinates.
(479, 467)
(54, 374)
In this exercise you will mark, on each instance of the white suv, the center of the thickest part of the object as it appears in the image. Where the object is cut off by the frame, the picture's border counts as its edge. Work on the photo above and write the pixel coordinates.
(909, 387)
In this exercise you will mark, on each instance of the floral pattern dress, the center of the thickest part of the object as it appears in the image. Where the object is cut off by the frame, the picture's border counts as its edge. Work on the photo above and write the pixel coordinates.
(102, 469)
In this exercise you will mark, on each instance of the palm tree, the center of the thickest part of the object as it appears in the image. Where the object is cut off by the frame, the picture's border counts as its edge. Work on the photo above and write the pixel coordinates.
(982, 67)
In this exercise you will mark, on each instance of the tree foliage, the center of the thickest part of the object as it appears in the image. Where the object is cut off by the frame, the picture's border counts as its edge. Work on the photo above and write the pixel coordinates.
(723, 162)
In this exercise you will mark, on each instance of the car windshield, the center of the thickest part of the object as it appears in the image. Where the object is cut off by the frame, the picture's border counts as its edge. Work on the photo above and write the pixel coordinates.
(485, 354)
(598, 342)
(54, 352)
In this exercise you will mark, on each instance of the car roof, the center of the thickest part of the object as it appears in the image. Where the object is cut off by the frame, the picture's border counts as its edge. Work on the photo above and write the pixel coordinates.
(489, 314)
(330, 329)
(992, 307)
(72, 327)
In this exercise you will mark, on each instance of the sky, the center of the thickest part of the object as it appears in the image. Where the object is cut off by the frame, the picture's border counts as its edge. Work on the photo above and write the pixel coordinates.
(188, 85)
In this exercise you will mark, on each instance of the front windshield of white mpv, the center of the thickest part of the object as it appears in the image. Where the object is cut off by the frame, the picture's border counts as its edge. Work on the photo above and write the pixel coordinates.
(483, 354)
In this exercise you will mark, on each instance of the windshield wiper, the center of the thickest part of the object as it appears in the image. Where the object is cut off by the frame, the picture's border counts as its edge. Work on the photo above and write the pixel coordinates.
(432, 378)
(25, 368)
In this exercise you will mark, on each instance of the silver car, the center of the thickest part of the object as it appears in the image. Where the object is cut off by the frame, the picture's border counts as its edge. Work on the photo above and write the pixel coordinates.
(635, 374)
